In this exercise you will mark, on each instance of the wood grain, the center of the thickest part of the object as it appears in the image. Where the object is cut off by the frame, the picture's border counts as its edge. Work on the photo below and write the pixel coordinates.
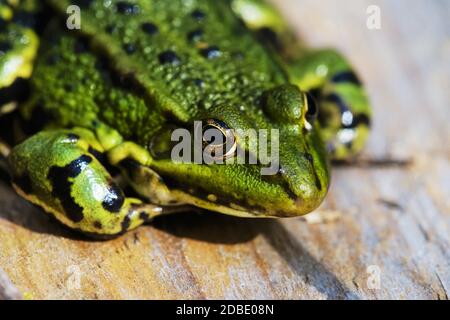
(7, 290)
(396, 219)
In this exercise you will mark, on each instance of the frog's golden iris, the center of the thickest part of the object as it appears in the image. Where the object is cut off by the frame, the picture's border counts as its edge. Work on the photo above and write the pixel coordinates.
(102, 95)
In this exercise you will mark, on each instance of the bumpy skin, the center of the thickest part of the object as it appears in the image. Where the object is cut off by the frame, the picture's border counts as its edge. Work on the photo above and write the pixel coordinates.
(137, 70)
(59, 171)
(345, 111)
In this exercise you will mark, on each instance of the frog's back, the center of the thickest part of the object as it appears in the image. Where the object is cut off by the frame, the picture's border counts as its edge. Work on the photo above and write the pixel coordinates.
(180, 58)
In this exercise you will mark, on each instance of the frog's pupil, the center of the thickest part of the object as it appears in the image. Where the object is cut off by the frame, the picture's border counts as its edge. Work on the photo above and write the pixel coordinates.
(198, 14)
(195, 35)
(129, 48)
(216, 130)
(149, 28)
(169, 57)
(127, 8)
(211, 52)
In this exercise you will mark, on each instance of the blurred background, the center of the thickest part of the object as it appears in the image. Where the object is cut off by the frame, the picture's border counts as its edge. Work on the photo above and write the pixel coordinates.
(405, 65)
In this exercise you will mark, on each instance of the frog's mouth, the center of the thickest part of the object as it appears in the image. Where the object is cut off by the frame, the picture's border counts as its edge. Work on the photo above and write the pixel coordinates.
(184, 193)
(197, 197)
(247, 195)
(230, 207)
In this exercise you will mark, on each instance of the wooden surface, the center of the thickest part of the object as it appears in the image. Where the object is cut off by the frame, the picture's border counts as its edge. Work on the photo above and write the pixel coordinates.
(392, 220)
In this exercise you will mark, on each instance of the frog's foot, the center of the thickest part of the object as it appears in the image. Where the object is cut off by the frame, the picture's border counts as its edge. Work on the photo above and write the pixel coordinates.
(344, 111)
(61, 171)
(342, 103)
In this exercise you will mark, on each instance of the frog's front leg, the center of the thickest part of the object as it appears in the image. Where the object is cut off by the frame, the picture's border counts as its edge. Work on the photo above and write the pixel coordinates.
(58, 170)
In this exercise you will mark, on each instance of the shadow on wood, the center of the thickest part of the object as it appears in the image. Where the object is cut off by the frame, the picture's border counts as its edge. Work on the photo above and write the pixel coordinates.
(213, 228)
(206, 227)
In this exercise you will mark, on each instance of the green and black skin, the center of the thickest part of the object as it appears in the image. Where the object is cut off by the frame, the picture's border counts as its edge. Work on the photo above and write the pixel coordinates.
(108, 95)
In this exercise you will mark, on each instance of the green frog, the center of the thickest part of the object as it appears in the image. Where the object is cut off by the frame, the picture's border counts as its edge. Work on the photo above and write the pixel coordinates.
(106, 96)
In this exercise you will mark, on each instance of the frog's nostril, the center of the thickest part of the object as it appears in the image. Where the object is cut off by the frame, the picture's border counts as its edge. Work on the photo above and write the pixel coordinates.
(305, 181)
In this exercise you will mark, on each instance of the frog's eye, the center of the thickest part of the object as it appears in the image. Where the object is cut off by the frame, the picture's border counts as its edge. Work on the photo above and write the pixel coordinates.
(219, 140)
(312, 109)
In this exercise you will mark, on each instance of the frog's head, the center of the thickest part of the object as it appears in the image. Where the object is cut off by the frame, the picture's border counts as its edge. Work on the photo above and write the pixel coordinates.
(292, 183)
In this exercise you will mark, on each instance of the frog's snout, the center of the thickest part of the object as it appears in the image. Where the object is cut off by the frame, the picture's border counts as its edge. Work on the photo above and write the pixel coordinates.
(306, 184)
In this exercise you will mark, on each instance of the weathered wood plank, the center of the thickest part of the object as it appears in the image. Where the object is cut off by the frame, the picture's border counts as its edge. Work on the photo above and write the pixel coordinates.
(7, 290)
(396, 219)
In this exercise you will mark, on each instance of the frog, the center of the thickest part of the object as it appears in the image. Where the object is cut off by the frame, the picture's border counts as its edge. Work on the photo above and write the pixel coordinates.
(105, 98)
